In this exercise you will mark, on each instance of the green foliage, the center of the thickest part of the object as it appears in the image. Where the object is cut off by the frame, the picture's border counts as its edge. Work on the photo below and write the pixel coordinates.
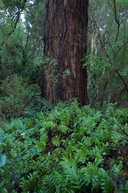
(13, 96)
(107, 52)
(67, 149)
(18, 99)
(21, 58)
(98, 72)
(54, 74)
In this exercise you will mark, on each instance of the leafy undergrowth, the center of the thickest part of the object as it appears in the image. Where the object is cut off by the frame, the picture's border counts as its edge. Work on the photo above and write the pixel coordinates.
(66, 150)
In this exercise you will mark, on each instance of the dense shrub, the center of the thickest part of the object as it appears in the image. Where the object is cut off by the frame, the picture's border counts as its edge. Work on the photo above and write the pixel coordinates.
(13, 99)
(18, 98)
(68, 149)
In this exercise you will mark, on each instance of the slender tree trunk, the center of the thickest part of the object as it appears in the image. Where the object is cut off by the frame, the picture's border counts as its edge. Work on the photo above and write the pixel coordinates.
(65, 39)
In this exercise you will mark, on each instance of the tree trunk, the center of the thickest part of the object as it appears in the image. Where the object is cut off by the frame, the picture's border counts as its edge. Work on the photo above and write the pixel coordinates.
(65, 40)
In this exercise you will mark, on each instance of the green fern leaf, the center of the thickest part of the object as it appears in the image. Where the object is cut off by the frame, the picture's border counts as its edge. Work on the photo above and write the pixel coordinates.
(56, 141)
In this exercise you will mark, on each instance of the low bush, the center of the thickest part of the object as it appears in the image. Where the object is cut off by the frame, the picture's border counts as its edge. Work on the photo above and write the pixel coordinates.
(18, 99)
(67, 149)
(13, 96)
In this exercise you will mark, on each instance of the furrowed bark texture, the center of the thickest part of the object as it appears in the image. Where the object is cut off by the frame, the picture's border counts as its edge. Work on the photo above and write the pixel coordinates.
(65, 39)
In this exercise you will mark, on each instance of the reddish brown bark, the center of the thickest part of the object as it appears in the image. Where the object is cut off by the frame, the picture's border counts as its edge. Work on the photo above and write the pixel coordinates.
(65, 39)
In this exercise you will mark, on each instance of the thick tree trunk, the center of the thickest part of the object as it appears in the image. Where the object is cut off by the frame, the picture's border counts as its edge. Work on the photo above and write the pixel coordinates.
(65, 39)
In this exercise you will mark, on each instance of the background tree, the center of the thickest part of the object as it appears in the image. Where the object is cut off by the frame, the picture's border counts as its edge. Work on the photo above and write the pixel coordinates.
(21, 56)
(107, 48)
(65, 39)
(21, 40)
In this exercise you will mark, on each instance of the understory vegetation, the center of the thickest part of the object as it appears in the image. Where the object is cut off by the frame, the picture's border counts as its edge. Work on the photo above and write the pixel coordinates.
(66, 149)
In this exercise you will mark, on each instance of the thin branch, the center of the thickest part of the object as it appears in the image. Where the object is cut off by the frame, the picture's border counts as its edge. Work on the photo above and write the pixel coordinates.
(121, 48)
(116, 19)
(115, 13)
(125, 84)
(16, 22)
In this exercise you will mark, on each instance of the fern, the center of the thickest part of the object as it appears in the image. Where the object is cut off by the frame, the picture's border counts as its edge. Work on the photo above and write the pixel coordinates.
(69, 149)
(56, 141)
(30, 184)
(48, 184)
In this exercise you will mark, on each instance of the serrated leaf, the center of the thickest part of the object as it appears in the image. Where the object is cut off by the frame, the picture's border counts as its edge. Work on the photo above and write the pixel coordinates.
(56, 141)
(63, 128)
(41, 146)
(43, 141)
